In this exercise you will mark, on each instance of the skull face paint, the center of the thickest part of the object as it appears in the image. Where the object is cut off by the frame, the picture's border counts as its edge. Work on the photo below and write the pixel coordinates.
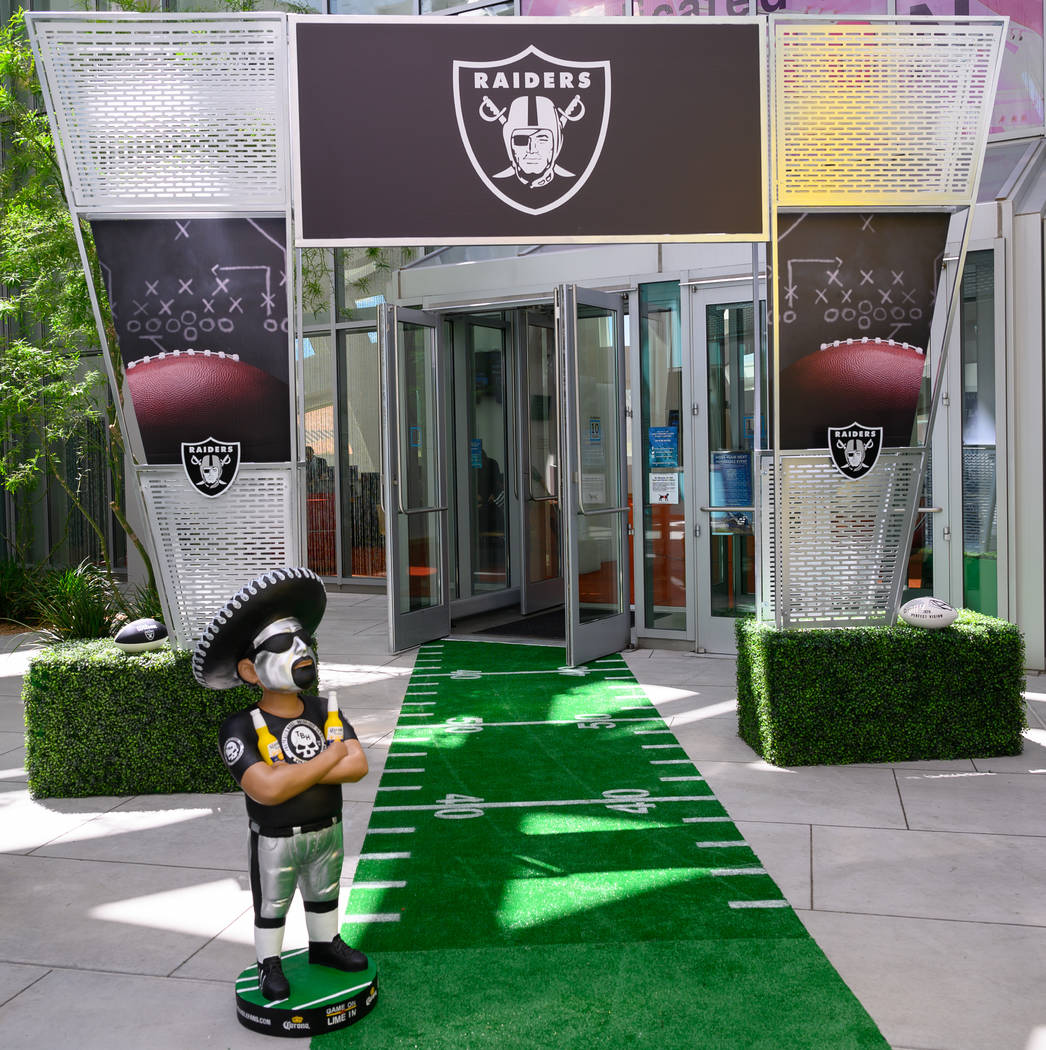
(283, 659)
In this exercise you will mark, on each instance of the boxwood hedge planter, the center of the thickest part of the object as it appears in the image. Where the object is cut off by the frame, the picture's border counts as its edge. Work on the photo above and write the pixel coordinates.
(102, 722)
(881, 694)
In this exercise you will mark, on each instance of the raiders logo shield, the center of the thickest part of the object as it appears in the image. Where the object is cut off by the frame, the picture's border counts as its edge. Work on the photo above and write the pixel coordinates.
(211, 465)
(533, 126)
(855, 448)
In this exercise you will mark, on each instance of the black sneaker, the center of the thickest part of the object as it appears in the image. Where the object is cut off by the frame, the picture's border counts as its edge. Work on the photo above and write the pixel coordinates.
(271, 980)
(338, 955)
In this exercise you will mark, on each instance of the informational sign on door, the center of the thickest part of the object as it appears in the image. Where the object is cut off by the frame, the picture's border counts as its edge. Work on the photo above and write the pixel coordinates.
(663, 447)
(664, 488)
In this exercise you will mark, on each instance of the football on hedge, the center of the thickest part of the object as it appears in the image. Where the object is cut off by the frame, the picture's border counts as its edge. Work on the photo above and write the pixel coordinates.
(928, 612)
(138, 636)
(192, 395)
(874, 382)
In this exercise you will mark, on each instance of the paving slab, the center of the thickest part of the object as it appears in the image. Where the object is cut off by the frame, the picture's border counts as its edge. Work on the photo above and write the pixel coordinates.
(99, 1011)
(15, 978)
(784, 850)
(928, 983)
(193, 831)
(846, 795)
(231, 949)
(26, 823)
(11, 742)
(993, 803)
(127, 918)
(930, 874)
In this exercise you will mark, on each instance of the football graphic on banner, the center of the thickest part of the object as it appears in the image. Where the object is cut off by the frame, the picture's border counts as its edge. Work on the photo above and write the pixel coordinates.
(200, 311)
(856, 379)
(192, 393)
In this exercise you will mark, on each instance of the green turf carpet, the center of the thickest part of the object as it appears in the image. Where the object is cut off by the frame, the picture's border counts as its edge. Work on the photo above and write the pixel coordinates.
(544, 867)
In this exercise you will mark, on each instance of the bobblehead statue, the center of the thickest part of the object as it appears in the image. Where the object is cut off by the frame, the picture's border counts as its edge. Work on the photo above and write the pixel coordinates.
(290, 753)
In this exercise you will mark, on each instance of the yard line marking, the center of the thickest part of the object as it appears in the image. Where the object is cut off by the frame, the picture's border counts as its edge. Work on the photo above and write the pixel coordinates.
(715, 843)
(405, 787)
(391, 831)
(707, 820)
(334, 995)
(543, 722)
(408, 754)
(538, 803)
(392, 884)
(375, 916)
(493, 674)
(648, 732)
(650, 747)
(670, 762)
(388, 856)
(759, 904)
(430, 692)
(415, 714)
(670, 779)
(721, 872)
(637, 707)
(388, 770)
(419, 703)
(618, 678)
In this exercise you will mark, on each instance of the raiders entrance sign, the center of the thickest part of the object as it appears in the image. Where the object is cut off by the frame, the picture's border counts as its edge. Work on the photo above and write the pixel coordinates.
(530, 131)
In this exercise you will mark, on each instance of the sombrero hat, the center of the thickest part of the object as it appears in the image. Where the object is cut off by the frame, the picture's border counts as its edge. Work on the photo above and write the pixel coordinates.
(272, 596)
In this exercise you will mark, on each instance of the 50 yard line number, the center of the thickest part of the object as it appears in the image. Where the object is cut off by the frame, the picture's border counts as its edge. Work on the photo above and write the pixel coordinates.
(465, 807)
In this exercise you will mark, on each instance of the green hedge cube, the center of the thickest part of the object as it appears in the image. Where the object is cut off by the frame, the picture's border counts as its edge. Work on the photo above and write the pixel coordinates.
(103, 722)
(881, 694)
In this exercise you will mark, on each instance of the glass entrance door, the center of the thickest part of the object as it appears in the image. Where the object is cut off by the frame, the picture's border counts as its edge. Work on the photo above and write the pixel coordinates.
(415, 477)
(593, 486)
(725, 345)
(541, 585)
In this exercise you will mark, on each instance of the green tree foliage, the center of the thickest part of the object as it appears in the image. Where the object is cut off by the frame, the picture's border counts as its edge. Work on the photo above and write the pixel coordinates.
(49, 397)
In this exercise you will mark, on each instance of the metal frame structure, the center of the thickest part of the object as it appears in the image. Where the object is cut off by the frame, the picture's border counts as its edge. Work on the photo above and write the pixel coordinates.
(847, 103)
(195, 116)
(180, 116)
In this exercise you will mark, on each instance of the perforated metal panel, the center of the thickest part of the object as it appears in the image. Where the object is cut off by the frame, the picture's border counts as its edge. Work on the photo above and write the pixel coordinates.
(156, 110)
(842, 544)
(207, 549)
(880, 113)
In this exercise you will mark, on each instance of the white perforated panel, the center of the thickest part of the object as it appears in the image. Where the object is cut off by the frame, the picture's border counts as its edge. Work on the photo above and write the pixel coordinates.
(881, 113)
(842, 544)
(208, 548)
(156, 110)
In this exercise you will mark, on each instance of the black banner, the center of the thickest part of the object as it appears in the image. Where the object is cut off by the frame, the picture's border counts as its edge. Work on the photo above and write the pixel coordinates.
(528, 132)
(856, 294)
(200, 308)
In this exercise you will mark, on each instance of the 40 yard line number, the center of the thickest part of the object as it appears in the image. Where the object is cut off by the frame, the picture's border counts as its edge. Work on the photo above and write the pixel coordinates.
(465, 807)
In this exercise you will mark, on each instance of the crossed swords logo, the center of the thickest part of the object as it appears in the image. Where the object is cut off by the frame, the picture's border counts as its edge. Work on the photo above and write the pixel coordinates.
(530, 143)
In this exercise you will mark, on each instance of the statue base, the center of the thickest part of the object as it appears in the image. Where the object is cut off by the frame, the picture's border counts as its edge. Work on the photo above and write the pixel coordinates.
(321, 999)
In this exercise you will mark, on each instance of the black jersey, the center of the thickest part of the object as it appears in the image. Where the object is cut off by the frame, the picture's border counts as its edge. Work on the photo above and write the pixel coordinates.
(300, 739)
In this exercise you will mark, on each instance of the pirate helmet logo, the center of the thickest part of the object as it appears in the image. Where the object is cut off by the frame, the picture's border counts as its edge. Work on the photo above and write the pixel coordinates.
(533, 126)
(211, 465)
(855, 448)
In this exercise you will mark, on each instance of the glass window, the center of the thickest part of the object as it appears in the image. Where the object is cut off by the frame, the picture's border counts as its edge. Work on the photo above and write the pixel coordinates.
(372, 7)
(575, 8)
(359, 430)
(979, 516)
(730, 338)
(320, 453)
(488, 457)
(316, 275)
(664, 495)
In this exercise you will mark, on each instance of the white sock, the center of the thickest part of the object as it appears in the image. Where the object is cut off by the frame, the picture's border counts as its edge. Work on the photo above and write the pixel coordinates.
(322, 925)
(268, 940)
